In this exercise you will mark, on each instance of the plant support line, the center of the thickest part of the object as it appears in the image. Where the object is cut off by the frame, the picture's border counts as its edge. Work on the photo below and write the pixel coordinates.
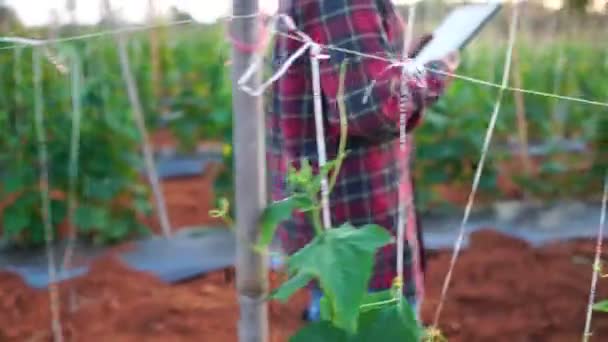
(76, 82)
(43, 161)
(315, 56)
(148, 154)
(597, 263)
(482, 160)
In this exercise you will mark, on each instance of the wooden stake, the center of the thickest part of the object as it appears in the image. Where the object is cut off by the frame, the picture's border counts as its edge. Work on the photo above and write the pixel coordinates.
(250, 183)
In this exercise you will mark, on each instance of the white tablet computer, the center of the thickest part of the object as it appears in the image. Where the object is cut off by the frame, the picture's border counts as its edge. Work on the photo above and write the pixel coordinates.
(458, 28)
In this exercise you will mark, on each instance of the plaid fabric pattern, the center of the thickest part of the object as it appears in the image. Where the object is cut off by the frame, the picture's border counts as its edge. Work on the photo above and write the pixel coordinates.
(368, 184)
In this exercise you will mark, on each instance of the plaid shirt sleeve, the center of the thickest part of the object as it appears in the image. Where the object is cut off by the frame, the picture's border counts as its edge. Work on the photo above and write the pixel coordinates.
(360, 25)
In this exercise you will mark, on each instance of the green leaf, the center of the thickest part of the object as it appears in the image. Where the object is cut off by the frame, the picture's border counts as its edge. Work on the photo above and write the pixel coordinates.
(342, 259)
(288, 288)
(103, 189)
(376, 300)
(142, 205)
(320, 332)
(14, 221)
(601, 306)
(90, 217)
(12, 182)
(278, 212)
(325, 305)
(59, 212)
(394, 322)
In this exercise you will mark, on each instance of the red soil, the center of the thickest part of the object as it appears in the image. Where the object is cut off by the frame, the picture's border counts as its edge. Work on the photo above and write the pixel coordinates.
(503, 290)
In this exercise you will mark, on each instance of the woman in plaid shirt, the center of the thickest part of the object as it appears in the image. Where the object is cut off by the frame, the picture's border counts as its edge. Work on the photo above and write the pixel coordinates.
(368, 184)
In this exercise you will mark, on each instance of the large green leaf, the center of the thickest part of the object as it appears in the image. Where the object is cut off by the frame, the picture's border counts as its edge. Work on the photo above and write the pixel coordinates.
(382, 318)
(12, 182)
(342, 259)
(601, 306)
(320, 332)
(278, 212)
(59, 212)
(390, 322)
(288, 288)
(14, 221)
(89, 217)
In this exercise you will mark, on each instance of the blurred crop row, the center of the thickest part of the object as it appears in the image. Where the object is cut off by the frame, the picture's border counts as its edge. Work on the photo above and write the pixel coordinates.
(185, 87)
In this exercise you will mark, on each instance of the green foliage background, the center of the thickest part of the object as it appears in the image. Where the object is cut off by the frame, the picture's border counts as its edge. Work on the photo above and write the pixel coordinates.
(196, 89)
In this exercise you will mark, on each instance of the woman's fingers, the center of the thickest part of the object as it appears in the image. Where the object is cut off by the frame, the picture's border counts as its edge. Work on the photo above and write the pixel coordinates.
(452, 61)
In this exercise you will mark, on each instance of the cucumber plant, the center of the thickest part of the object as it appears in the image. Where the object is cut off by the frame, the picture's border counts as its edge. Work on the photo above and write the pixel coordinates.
(341, 261)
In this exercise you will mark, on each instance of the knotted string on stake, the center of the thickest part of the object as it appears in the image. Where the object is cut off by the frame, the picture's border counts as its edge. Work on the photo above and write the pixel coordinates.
(597, 267)
(246, 47)
(258, 58)
(315, 53)
(405, 223)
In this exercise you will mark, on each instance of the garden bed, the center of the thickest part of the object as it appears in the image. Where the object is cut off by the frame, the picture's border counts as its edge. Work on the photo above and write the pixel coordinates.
(503, 290)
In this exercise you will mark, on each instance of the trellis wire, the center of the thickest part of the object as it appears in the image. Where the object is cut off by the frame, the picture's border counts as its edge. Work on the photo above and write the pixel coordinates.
(55, 305)
(25, 42)
(458, 76)
(481, 164)
(28, 42)
(148, 153)
(596, 263)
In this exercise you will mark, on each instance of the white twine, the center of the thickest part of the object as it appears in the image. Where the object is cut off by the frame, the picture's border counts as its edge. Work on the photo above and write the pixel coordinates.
(597, 263)
(258, 58)
(481, 164)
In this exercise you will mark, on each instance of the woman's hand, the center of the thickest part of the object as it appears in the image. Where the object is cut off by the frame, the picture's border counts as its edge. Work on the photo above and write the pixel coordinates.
(452, 61)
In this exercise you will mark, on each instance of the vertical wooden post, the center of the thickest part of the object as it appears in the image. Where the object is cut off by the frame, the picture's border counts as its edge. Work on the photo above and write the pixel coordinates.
(250, 182)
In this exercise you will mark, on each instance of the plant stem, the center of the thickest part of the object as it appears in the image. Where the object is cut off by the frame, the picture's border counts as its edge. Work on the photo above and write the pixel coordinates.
(343, 129)
(316, 221)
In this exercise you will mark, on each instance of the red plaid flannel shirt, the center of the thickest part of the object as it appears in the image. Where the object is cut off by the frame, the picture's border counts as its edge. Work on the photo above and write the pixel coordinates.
(368, 184)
